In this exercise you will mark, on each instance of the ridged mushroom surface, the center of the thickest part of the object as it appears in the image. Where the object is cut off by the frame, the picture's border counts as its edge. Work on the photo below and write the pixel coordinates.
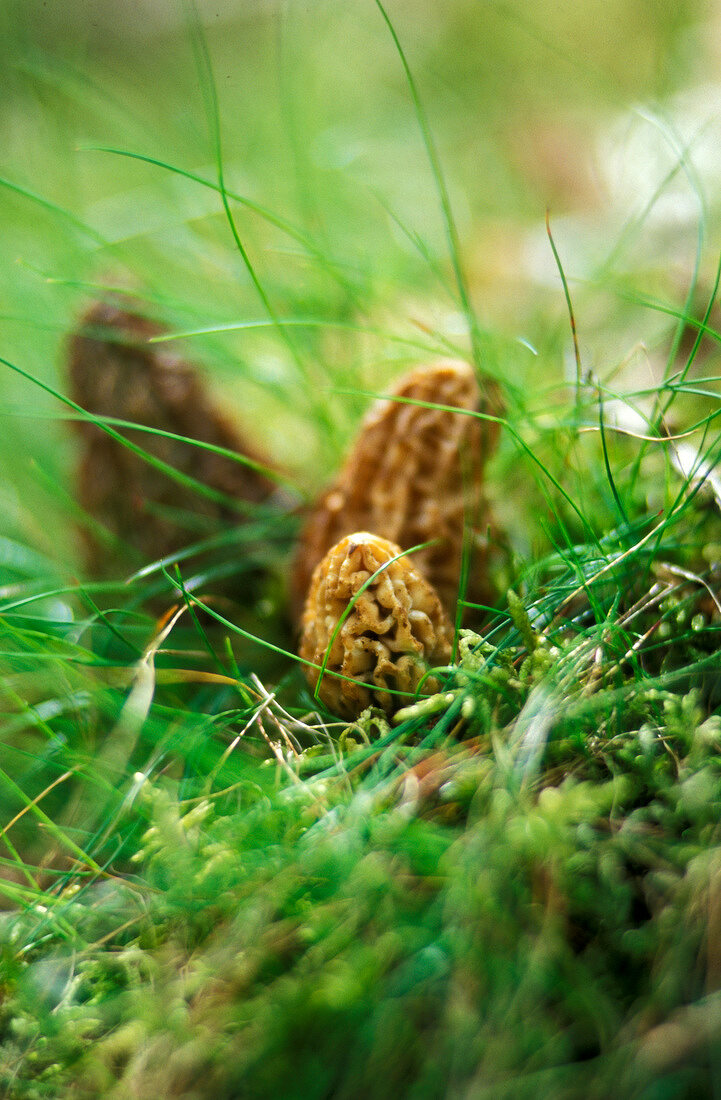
(115, 372)
(395, 630)
(415, 474)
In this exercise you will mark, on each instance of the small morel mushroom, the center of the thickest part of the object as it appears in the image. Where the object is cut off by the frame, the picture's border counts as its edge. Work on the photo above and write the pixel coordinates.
(415, 474)
(395, 630)
(114, 372)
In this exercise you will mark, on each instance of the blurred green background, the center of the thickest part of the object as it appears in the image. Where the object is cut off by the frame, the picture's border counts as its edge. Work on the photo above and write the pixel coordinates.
(604, 112)
(117, 124)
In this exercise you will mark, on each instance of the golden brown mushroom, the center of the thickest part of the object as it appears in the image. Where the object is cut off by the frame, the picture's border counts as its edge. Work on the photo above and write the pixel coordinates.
(395, 630)
(415, 474)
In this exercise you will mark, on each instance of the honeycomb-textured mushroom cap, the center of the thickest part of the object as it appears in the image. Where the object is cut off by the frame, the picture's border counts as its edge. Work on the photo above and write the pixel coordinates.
(395, 630)
(415, 474)
(115, 372)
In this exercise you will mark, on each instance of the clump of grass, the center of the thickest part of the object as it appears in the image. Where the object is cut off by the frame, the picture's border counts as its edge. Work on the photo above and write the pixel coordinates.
(478, 899)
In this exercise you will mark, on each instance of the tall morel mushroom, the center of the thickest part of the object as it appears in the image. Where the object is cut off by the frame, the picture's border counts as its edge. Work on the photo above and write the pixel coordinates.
(415, 474)
(394, 627)
(115, 372)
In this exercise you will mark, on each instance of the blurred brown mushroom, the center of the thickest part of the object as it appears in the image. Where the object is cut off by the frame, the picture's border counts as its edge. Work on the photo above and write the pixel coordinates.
(394, 630)
(115, 372)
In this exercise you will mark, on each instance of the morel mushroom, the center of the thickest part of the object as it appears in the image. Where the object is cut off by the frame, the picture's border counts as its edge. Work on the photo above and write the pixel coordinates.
(114, 372)
(415, 474)
(394, 631)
